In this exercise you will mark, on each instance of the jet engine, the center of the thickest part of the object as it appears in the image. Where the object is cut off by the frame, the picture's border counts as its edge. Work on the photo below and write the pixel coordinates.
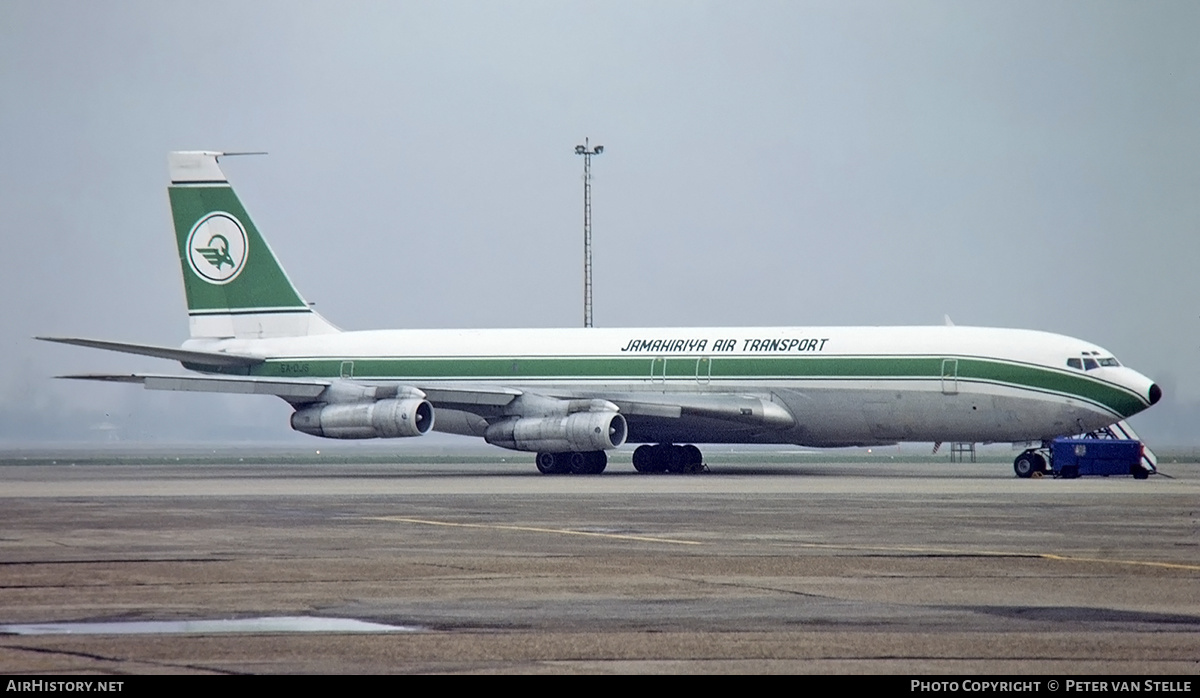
(383, 419)
(582, 431)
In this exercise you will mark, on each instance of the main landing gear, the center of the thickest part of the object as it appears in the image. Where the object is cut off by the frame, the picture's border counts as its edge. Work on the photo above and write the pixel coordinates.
(660, 458)
(574, 463)
(668, 458)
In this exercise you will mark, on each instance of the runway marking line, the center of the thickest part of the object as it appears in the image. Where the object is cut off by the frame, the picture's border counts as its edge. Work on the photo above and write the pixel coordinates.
(999, 553)
(535, 529)
(826, 546)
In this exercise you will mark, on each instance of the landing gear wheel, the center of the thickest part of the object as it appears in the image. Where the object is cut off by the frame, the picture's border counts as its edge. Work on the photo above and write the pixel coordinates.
(649, 459)
(1029, 463)
(643, 458)
(668, 455)
(552, 463)
(587, 462)
(690, 459)
(578, 463)
(668, 458)
(598, 461)
(652, 459)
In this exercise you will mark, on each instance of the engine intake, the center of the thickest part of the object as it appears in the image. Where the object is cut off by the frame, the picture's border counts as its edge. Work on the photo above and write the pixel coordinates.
(383, 419)
(582, 431)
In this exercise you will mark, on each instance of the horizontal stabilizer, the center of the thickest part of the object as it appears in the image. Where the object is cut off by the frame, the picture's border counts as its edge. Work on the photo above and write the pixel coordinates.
(205, 358)
(292, 390)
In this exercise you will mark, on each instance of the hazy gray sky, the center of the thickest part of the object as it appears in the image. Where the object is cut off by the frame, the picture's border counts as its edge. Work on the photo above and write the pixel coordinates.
(1022, 164)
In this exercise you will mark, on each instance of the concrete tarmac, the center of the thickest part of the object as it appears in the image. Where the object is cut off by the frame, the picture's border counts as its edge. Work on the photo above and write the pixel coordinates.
(821, 567)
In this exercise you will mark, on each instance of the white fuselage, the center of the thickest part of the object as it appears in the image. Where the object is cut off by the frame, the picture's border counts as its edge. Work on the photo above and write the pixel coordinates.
(842, 385)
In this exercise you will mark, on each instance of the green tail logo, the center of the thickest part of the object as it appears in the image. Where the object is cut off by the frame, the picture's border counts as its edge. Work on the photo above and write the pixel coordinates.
(218, 248)
(217, 256)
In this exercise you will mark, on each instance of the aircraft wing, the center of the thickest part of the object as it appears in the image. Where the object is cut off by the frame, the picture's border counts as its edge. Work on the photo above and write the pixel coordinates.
(660, 416)
(304, 390)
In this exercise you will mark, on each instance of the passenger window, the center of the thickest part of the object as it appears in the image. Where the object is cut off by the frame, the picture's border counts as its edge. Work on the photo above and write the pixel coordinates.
(1075, 363)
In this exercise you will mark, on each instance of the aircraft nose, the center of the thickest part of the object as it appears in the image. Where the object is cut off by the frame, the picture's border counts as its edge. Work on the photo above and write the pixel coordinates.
(1155, 393)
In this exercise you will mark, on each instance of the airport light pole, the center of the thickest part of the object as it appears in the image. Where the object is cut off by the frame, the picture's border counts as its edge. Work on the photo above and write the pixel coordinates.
(587, 151)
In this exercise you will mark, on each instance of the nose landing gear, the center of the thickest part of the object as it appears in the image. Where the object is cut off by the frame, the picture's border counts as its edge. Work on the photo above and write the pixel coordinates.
(1030, 464)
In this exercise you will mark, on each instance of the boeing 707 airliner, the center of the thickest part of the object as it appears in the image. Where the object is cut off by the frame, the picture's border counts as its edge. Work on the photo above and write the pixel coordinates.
(572, 395)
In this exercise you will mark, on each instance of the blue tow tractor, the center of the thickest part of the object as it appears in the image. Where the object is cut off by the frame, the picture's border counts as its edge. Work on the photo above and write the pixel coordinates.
(1075, 457)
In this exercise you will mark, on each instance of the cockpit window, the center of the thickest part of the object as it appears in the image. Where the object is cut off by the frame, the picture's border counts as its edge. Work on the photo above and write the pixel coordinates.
(1087, 363)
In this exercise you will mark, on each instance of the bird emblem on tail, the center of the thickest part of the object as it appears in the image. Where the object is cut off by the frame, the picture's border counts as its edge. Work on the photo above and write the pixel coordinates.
(217, 247)
(217, 254)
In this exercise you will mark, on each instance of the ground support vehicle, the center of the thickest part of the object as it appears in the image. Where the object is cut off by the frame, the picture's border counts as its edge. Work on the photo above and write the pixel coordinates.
(1075, 457)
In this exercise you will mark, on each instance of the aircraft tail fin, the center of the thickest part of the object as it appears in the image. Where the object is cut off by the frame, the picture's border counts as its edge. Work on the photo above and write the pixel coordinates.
(234, 285)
